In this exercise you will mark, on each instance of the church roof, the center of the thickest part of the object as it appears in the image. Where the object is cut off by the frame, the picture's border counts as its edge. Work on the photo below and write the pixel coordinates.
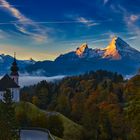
(7, 82)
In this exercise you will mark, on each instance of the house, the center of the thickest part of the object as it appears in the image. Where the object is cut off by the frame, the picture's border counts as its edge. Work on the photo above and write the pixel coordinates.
(11, 82)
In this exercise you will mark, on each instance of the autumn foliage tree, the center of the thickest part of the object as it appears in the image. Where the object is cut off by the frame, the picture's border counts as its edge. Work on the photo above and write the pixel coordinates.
(103, 103)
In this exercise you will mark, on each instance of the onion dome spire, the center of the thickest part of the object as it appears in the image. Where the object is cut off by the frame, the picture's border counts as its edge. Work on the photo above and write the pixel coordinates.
(14, 67)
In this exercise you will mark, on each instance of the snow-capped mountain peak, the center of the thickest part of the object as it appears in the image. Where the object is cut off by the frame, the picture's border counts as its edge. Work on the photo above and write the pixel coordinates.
(81, 49)
(111, 51)
(118, 49)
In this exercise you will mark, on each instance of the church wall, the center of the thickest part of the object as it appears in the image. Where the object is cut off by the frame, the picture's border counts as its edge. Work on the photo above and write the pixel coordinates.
(15, 93)
(1, 95)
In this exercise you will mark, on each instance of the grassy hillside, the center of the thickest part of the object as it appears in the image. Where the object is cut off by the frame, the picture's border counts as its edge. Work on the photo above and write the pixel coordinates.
(31, 112)
(72, 131)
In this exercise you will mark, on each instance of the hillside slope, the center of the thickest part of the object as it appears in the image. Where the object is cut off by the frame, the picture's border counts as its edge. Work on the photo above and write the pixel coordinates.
(31, 112)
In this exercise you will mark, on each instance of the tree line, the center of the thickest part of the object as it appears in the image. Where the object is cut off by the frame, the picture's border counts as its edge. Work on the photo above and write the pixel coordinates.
(105, 104)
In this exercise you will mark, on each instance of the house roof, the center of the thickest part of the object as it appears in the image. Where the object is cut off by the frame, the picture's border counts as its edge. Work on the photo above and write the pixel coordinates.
(7, 82)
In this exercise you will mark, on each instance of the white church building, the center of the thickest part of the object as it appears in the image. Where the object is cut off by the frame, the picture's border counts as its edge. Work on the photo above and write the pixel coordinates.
(11, 82)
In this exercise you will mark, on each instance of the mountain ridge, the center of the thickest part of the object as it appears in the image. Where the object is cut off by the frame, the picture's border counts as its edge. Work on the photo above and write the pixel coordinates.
(118, 56)
(6, 61)
(112, 51)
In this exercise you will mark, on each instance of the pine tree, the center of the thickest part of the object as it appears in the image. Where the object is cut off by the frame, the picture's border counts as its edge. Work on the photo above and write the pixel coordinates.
(8, 127)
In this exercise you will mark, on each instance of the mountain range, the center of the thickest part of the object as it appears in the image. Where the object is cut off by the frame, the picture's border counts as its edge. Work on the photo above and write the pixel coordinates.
(7, 60)
(118, 56)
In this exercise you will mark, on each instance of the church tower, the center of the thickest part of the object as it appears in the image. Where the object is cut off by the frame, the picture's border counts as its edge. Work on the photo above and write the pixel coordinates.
(14, 71)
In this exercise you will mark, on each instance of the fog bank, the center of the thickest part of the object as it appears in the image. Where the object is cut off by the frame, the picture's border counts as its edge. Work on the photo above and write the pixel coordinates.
(31, 80)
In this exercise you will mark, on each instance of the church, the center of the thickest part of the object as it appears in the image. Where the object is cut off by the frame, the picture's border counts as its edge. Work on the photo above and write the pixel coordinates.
(11, 82)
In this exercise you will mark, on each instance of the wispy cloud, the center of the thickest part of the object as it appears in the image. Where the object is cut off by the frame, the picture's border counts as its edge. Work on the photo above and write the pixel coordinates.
(130, 22)
(24, 24)
(76, 18)
(77, 21)
(132, 38)
(130, 19)
(4, 35)
(86, 21)
(134, 18)
(105, 1)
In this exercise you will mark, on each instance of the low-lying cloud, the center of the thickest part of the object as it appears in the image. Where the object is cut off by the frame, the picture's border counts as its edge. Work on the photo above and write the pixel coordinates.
(32, 80)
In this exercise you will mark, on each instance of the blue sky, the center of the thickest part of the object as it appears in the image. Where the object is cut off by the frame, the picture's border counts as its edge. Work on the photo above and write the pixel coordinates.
(43, 29)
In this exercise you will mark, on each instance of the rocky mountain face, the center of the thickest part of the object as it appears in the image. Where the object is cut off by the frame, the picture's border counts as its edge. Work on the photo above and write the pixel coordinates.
(118, 56)
(116, 50)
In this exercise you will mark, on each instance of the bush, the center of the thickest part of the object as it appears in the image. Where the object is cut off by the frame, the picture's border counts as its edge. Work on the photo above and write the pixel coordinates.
(55, 125)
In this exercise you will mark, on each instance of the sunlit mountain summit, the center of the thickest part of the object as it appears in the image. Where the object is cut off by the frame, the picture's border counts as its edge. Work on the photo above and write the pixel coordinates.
(116, 50)
(118, 56)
